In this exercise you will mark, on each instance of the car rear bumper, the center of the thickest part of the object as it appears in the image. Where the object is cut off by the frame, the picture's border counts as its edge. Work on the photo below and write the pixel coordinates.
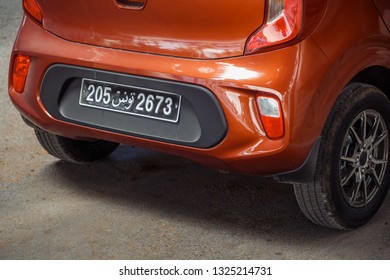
(201, 124)
(221, 96)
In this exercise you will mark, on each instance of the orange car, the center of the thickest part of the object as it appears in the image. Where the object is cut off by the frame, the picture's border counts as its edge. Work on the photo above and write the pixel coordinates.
(294, 89)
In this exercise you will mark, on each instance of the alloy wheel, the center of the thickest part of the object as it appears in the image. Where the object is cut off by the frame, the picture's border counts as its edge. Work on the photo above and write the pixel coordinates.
(363, 159)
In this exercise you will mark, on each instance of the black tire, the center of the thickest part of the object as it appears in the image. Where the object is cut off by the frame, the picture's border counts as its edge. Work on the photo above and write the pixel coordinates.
(352, 173)
(74, 151)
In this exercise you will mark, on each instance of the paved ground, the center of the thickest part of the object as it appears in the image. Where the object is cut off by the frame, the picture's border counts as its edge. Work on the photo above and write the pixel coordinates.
(140, 204)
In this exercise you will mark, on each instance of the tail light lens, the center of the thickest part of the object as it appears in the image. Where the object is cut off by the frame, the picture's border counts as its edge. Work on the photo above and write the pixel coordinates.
(33, 9)
(283, 23)
(20, 71)
(271, 116)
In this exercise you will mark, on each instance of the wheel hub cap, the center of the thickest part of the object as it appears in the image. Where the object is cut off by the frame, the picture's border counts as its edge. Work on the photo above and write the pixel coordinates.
(362, 159)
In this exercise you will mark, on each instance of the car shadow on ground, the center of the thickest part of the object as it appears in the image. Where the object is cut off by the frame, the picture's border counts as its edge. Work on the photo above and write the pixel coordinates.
(179, 187)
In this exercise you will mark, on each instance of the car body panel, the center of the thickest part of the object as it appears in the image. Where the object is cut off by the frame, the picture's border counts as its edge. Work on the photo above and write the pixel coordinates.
(351, 45)
(194, 29)
(383, 7)
(306, 77)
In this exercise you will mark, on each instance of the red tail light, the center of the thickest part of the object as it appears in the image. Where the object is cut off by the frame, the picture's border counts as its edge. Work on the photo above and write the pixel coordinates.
(284, 20)
(33, 9)
(271, 116)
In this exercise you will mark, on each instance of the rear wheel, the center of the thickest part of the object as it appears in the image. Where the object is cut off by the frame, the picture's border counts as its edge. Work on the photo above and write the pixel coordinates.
(75, 151)
(352, 173)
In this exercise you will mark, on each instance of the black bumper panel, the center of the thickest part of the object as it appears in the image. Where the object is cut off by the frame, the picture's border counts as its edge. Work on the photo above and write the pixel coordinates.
(202, 123)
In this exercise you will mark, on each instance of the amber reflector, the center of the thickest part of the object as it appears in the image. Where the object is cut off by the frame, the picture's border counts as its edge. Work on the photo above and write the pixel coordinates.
(19, 75)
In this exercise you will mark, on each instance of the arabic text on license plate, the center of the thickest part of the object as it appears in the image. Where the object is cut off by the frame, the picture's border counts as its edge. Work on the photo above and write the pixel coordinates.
(132, 100)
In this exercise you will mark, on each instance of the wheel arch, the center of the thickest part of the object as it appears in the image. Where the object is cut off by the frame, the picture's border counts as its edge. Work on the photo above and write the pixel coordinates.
(378, 76)
(374, 75)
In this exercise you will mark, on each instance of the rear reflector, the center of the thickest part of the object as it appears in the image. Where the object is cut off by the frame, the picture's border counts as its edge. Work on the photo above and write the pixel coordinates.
(32, 8)
(271, 116)
(20, 71)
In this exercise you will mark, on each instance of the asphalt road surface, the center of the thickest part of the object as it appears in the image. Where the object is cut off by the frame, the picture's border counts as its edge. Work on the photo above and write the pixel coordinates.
(140, 204)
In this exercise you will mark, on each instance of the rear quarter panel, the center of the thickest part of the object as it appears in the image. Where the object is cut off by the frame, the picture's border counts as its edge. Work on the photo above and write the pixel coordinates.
(383, 7)
(353, 37)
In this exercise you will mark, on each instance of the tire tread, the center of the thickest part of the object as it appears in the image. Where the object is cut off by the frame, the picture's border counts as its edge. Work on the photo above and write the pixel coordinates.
(314, 198)
(74, 151)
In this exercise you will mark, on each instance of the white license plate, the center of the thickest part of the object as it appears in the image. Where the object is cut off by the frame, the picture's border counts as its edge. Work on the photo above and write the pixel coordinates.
(143, 102)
